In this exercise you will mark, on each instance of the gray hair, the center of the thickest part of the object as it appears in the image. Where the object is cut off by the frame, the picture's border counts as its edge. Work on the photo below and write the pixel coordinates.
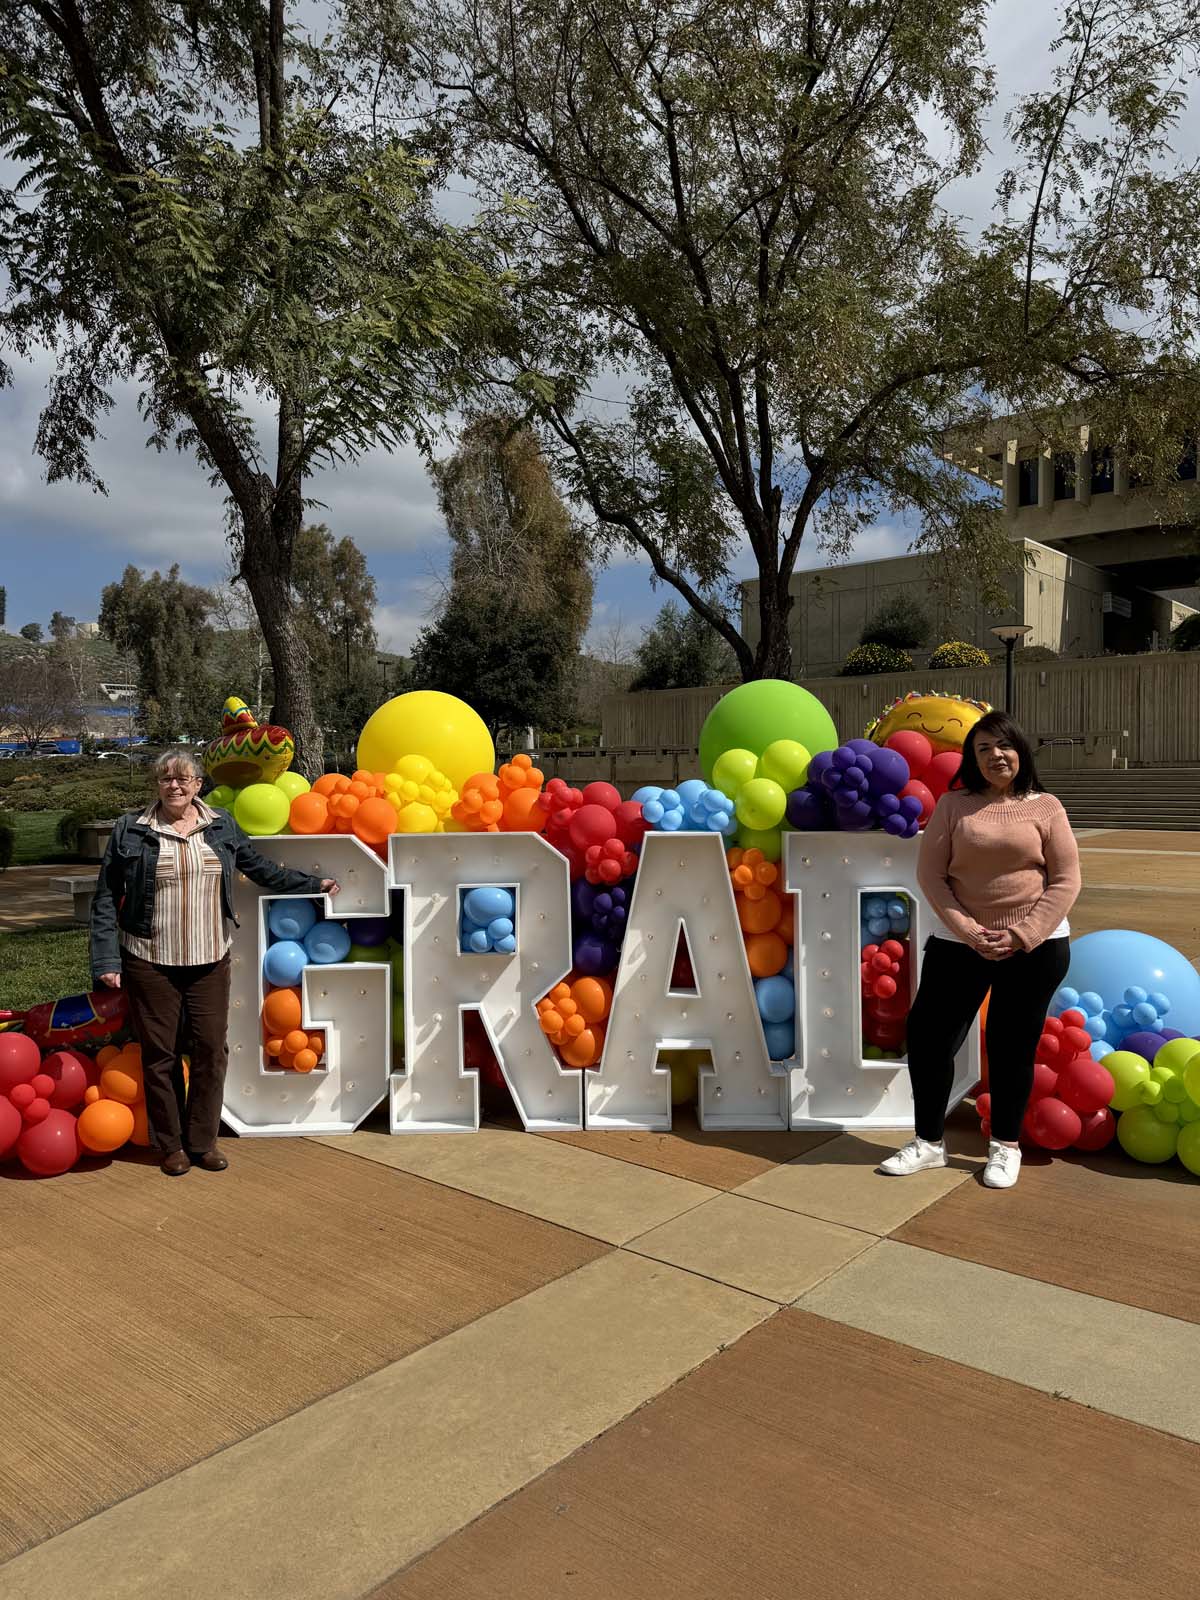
(171, 761)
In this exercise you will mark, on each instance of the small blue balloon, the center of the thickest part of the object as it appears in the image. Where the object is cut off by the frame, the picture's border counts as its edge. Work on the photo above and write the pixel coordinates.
(507, 945)
(478, 942)
(499, 929)
(692, 791)
(1122, 1016)
(1101, 1048)
(877, 927)
(781, 1040)
(897, 908)
(291, 919)
(327, 942)
(1134, 996)
(1090, 1003)
(1144, 1014)
(485, 905)
(1065, 999)
(776, 999)
(284, 962)
(1096, 1026)
(1159, 1001)
(875, 906)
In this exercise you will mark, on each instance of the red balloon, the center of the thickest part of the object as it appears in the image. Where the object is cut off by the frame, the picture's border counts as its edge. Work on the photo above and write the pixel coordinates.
(1076, 1041)
(591, 824)
(1068, 1019)
(941, 772)
(1045, 1081)
(1049, 1048)
(1054, 1125)
(923, 794)
(1086, 1085)
(20, 1059)
(602, 794)
(37, 1110)
(914, 747)
(632, 827)
(894, 1009)
(1099, 1129)
(51, 1146)
(10, 1126)
(22, 1095)
(68, 1071)
(983, 1104)
(885, 986)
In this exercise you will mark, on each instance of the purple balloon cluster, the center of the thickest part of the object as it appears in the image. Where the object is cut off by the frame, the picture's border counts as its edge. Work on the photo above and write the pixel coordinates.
(598, 924)
(856, 787)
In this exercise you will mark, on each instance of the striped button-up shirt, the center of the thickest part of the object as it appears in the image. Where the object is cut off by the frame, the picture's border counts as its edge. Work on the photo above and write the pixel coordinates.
(188, 928)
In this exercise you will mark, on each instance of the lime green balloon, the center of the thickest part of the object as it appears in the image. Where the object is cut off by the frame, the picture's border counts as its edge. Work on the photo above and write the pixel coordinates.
(1131, 1075)
(1165, 1111)
(221, 798)
(292, 784)
(768, 840)
(1144, 1137)
(761, 804)
(755, 715)
(732, 770)
(1189, 1111)
(1191, 1079)
(1173, 1089)
(367, 952)
(398, 1020)
(1188, 1148)
(261, 809)
(786, 763)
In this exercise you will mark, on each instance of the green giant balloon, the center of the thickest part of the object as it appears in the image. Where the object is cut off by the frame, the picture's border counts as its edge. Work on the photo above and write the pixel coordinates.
(755, 715)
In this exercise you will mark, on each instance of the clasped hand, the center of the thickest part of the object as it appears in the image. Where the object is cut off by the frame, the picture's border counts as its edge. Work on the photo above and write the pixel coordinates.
(993, 944)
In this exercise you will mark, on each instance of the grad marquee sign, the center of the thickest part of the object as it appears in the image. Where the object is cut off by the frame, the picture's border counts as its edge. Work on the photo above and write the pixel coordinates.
(682, 885)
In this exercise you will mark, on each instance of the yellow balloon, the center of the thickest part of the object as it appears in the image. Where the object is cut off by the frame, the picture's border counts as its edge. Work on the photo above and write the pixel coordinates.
(428, 723)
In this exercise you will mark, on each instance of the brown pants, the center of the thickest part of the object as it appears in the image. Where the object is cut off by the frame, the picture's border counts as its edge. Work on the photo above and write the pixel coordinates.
(160, 998)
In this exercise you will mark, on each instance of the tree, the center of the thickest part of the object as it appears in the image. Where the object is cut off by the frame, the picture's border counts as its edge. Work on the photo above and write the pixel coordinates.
(739, 209)
(35, 695)
(3, 606)
(901, 621)
(61, 626)
(681, 651)
(507, 662)
(33, 632)
(162, 622)
(219, 207)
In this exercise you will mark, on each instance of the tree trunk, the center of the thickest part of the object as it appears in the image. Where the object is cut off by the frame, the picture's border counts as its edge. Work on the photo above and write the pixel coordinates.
(773, 654)
(267, 575)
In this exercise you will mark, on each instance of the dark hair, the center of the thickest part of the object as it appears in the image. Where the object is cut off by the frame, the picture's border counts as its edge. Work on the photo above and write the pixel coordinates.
(1002, 727)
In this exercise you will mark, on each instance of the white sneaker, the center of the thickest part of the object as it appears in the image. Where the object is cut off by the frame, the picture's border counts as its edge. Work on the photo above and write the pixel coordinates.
(1003, 1165)
(916, 1156)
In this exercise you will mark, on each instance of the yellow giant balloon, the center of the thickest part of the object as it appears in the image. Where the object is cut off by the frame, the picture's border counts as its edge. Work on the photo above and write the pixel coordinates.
(427, 722)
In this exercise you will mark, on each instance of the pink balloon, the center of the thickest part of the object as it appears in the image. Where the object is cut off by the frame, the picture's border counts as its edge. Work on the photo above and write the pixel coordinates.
(1099, 1130)
(914, 747)
(1086, 1085)
(1054, 1125)
(69, 1071)
(51, 1146)
(923, 794)
(20, 1059)
(10, 1126)
(941, 772)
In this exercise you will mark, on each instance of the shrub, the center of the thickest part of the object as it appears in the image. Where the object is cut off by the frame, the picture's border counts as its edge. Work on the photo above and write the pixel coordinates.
(1187, 635)
(957, 653)
(866, 658)
(100, 806)
(901, 622)
(8, 834)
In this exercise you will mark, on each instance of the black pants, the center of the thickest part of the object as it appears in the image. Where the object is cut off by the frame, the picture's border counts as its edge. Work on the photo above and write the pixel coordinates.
(954, 981)
(159, 999)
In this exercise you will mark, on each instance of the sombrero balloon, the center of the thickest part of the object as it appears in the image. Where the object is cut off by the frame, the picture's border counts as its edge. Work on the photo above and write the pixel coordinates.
(247, 752)
(944, 719)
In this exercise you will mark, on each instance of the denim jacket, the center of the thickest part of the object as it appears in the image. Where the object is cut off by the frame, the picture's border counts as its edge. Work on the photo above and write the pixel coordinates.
(124, 898)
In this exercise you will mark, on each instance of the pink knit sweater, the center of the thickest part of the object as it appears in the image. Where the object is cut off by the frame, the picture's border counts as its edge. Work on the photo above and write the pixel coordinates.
(999, 864)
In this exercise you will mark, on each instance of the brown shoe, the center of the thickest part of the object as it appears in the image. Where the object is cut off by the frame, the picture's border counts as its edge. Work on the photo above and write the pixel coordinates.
(211, 1160)
(176, 1164)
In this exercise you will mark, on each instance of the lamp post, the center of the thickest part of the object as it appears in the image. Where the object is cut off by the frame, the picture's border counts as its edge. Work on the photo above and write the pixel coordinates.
(1010, 632)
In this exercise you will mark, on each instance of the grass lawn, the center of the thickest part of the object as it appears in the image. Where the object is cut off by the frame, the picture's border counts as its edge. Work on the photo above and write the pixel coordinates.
(35, 842)
(42, 966)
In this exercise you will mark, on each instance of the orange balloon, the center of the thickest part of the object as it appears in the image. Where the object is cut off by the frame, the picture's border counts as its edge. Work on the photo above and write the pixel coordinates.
(304, 1060)
(91, 1094)
(274, 1046)
(103, 1057)
(282, 1011)
(316, 1042)
(585, 1048)
(141, 1125)
(373, 821)
(287, 1059)
(761, 915)
(766, 953)
(522, 814)
(309, 813)
(593, 996)
(297, 1039)
(133, 1052)
(105, 1125)
(122, 1081)
(326, 784)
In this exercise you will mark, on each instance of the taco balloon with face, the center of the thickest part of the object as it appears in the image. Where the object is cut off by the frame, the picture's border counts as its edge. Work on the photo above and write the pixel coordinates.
(944, 719)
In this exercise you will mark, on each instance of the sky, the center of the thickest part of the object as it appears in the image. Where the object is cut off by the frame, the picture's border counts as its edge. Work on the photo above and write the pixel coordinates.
(60, 543)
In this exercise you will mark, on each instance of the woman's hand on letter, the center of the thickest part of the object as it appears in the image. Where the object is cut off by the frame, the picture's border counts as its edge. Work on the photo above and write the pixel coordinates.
(111, 980)
(330, 886)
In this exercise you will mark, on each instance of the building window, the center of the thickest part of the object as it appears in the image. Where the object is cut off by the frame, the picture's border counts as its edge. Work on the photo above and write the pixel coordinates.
(1102, 470)
(1064, 476)
(1186, 470)
(1027, 481)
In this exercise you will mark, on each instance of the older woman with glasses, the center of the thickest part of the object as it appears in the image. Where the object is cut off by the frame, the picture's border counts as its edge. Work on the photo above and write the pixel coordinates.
(161, 921)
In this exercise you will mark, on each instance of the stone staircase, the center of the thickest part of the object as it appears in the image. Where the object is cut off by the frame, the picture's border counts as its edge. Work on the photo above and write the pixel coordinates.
(1137, 797)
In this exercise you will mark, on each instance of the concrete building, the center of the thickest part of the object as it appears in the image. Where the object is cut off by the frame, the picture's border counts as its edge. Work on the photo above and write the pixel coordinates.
(1107, 567)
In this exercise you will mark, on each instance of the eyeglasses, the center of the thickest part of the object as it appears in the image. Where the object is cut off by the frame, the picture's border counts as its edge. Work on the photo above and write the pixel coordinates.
(177, 783)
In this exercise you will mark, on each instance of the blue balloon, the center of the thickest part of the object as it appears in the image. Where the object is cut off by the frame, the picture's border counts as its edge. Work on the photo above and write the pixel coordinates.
(776, 999)
(1091, 1004)
(499, 929)
(1101, 1048)
(691, 791)
(1096, 1026)
(291, 919)
(485, 905)
(1159, 1001)
(507, 945)
(284, 962)
(478, 942)
(327, 942)
(878, 927)
(1113, 959)
(1134, 996)
(897, 908)
(1144, 1014)
(781, 1040)
(1065, 999)
(874, 906)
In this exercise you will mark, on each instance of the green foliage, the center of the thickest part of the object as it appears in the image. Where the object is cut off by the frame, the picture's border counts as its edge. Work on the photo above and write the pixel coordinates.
(7, 836)
(681, 651)
(867, 658)
(162, 624)
(39, 966)
(901, 621)
(32, 631)
(1187, 635)
(744, 209)
(957, 653)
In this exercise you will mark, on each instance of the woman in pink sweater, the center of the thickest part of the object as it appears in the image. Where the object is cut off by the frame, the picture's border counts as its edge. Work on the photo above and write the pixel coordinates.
(1000, 868)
